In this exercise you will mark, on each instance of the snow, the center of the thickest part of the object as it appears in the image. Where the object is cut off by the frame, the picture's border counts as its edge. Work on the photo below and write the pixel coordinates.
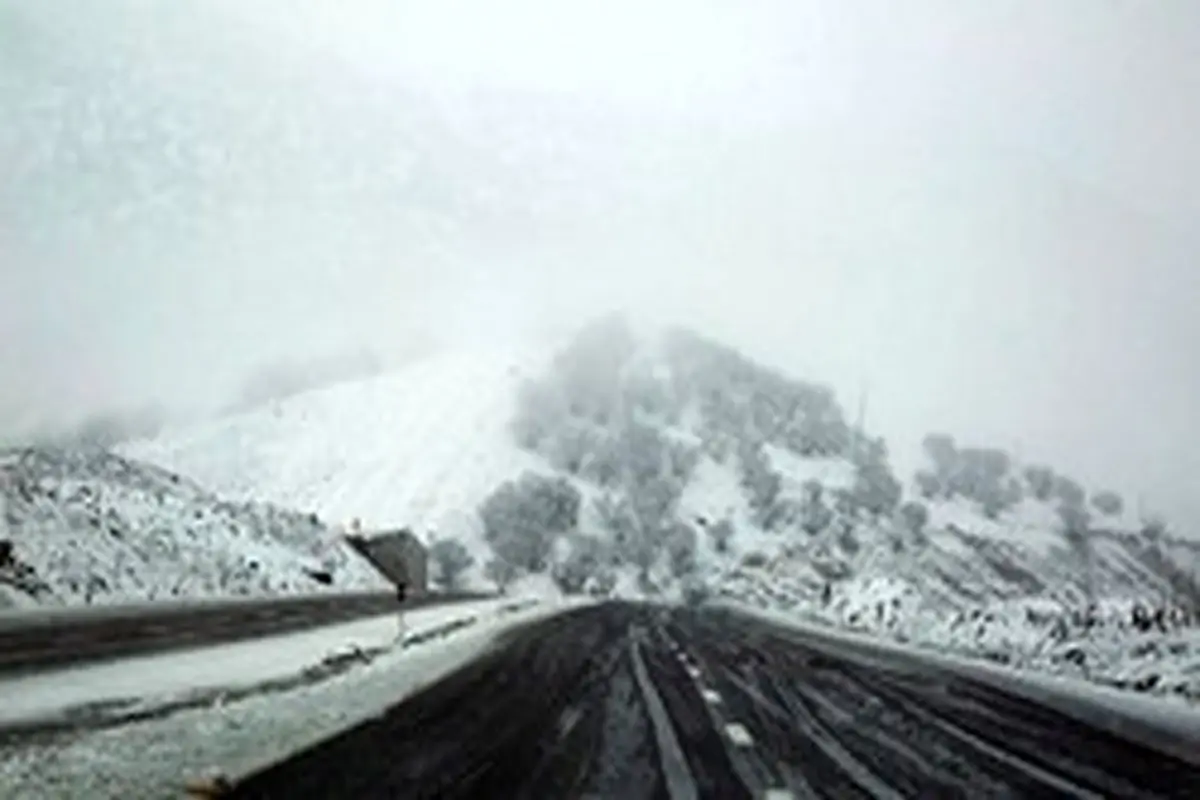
(418, 447)
(153, 758)
(1026, 633)
(422, 448)
(541, 587)
(714, 493)
(90, 527)
(54, 694)
(1101, 704)
(1031, 523)
(831, 472)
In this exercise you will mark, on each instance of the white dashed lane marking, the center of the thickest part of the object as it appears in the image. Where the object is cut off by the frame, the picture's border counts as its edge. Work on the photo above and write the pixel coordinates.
(738, 734)
(735, 732)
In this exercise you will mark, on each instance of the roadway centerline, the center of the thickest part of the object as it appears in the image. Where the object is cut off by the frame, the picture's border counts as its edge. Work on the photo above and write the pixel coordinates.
(738, 734)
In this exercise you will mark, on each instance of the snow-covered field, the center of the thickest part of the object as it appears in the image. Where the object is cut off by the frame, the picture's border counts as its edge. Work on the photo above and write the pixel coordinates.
(155, 757)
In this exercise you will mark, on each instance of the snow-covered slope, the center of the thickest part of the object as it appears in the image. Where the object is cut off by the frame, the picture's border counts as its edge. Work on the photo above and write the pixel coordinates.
(418, 448)
(696, 472)
(83, 527)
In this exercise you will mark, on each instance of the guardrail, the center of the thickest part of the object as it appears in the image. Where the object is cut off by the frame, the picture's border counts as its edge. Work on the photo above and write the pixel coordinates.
(39, 640)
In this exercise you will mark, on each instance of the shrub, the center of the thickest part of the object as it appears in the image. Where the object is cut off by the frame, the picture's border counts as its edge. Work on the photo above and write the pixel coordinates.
(755, 559)
(681, 548)
(695, 592)
(721, 532)
(451, 560)
(815, 515)
(1108, 503)
(915, 516)
(1069, 492)
(942, 452)
(928, 484)
(1075, 520)
(582, 563)
(1154, 528)
(522, 518)
(876, 489)
(1041, 481)
(500, 572)
(602, 583)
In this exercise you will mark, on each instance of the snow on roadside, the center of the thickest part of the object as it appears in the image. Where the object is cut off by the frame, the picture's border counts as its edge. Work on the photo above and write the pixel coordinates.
(1103, 705)
(154, 758)
(156, 678)
(1031, 634)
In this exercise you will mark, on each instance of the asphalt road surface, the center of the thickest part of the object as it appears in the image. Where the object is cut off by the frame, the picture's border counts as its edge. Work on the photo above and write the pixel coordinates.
(629, 702)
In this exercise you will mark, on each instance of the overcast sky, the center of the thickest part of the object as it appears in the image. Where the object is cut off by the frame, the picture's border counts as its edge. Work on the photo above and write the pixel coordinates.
(984, 212)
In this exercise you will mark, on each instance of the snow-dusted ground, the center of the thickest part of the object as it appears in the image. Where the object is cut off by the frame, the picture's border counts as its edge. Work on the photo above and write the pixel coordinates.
(155, 679)
(155, 757)
(1029, 635)
(91, 527)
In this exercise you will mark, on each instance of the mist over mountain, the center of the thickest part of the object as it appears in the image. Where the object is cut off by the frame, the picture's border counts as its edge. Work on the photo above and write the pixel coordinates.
(995, 247)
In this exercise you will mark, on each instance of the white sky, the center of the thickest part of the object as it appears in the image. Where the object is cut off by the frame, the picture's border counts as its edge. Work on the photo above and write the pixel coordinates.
(985, 211)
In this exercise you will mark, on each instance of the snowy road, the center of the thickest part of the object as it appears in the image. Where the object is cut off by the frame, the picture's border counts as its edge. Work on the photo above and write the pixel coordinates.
(628, 701)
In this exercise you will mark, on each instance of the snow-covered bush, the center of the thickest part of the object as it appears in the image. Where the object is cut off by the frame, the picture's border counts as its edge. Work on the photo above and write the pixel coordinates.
(681, 549)
(928, 484)
(815, 514)
(915, 516)
(633, 541)
(584, 560)
(755, 559)
(720, 532)
(876, 489)
(1041, 481)
(1108, 503)
(942, 451)
(522, 518)
(500, 572)
(1069, 492)
(695, 592)
(450, 559)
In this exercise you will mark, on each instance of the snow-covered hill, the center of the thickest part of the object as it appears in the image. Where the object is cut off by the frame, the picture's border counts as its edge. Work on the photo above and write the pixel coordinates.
(687, 470)
(83, 527)
(420, 448)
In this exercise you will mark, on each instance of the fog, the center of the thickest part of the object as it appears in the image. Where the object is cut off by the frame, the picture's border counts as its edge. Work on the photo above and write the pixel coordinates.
(983, 215)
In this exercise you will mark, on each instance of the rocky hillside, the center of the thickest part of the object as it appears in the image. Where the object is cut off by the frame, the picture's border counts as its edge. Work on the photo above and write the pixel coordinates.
(87, 526)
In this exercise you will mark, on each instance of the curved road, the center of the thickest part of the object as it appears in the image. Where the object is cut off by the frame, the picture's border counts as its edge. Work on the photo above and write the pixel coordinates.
(628, 702)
